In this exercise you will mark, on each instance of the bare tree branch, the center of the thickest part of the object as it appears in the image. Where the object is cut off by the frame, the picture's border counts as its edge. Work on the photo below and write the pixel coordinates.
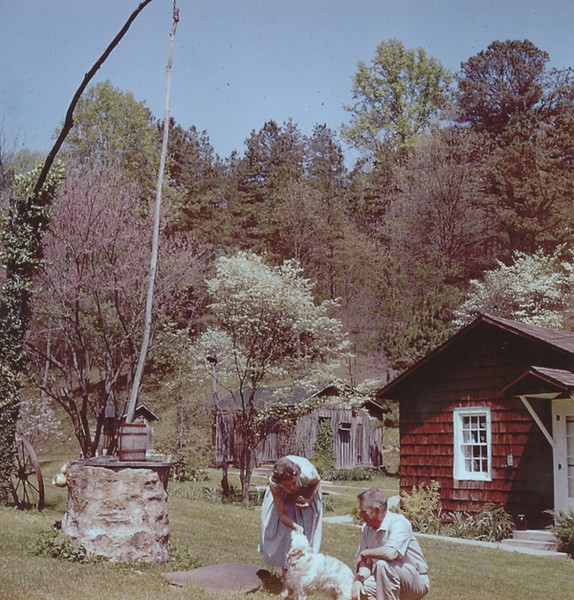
(69, 120)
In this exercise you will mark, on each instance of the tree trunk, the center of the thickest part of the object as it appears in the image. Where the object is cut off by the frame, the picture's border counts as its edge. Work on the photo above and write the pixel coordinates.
(225, 458)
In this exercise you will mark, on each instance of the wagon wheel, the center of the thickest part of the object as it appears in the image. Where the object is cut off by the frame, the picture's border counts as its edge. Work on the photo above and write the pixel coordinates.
(27, 481)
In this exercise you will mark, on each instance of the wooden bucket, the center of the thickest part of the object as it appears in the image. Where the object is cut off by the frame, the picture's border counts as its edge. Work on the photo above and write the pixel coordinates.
(132, 441)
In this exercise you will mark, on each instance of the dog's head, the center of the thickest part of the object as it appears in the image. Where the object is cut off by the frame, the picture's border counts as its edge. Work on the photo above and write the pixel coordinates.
(299, 546)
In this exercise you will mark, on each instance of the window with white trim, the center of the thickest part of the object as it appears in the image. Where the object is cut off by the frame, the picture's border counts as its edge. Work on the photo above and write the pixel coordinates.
(472, 444)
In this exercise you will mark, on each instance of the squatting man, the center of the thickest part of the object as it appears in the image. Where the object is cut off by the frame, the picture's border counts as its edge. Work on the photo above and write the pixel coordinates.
(390, 562)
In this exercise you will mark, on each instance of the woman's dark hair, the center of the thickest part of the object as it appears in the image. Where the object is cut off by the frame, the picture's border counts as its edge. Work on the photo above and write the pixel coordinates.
(284, 469)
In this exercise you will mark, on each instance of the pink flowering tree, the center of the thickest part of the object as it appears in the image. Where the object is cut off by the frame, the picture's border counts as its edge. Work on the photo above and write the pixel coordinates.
(89, 309)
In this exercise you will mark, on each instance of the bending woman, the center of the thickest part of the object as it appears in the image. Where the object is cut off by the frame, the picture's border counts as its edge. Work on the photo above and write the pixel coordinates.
(292, 501)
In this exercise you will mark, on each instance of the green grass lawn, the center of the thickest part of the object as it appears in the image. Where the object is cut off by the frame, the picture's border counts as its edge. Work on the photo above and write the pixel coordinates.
(209, 532)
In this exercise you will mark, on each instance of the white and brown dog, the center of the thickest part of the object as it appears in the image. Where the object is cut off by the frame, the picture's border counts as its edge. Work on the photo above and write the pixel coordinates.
(308, 571)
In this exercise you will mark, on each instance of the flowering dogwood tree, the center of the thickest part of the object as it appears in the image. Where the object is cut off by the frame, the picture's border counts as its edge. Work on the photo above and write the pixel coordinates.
(534, 289)
(267, 328)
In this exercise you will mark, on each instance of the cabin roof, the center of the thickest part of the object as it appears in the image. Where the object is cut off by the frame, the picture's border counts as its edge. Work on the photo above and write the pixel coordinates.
(279, 394)
(288, 395)
(554, 338)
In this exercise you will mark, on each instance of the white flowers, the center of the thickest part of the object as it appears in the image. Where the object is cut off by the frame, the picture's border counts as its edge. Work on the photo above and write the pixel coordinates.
(534, 289)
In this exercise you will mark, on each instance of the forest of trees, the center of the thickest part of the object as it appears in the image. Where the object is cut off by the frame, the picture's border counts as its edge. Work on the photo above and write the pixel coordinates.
(465, 181)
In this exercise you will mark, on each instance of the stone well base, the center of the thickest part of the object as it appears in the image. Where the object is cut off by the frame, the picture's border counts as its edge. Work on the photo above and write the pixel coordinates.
(119, 512)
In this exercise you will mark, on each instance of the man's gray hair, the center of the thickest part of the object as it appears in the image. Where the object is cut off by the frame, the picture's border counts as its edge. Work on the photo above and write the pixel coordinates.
(373, 498)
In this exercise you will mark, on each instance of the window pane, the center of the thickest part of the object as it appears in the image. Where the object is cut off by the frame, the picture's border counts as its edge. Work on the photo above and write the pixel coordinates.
(473, 437)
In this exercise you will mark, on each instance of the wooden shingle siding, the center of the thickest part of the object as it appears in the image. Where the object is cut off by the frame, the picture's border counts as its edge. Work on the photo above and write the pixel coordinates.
(469, 374)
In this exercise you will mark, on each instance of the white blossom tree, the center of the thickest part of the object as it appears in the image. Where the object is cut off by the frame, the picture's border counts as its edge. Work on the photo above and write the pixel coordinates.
(267, 329)
(535, 289)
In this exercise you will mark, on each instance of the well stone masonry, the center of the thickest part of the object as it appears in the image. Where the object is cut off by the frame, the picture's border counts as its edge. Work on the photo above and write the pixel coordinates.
(118, 511)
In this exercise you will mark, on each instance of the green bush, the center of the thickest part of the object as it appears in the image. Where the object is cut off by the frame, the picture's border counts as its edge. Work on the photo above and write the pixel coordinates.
(422, 507)
(563, 530)
(212, 494)
(182, 468)
(55, 543)
(187, 493)
(256, 496)
(323, 454)
(354, 474)
(328, 503)
(460, 524)
(493, 523)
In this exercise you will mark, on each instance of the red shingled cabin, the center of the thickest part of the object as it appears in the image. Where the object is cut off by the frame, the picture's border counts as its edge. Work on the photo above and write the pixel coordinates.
(489, 415)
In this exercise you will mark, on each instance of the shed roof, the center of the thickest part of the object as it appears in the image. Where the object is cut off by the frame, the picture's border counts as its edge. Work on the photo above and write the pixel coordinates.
(140, 410)
(278, 394)
(288, 395)
(555, 338)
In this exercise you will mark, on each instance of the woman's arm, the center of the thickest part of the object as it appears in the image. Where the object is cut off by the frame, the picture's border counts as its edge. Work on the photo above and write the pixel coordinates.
(281, 512)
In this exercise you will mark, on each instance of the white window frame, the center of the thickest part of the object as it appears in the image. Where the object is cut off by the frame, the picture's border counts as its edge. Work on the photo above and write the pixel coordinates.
(470, 441)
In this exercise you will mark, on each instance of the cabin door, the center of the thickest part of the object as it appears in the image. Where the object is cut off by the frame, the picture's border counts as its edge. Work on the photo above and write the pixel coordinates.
(563, 434)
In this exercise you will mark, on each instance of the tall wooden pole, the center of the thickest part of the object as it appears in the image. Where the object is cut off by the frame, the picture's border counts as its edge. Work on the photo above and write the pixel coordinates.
(155, 243)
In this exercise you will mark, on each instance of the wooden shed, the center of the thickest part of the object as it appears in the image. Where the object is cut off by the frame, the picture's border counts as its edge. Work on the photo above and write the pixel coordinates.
(355, 427)
(489, 415)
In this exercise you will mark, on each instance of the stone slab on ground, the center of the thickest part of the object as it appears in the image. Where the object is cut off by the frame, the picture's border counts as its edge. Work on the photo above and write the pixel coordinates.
(221, 578)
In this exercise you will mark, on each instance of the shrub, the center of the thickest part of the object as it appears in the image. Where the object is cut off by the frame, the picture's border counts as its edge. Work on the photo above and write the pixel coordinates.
(422, 507)
(256, 496)
(354, 474)
(323, 454)
(563, 530)
(182, 469)
(55, 543)
(212, 494)
(187, 493)
(328, 503)
(460, 524)
(493, 523)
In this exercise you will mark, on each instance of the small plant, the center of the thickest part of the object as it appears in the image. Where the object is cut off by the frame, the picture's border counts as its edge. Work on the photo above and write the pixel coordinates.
(233, 496)
(563, 530)
(181, 559)
(422, 507)
(212, 494)
(256, 496)
(493, 523)
(460, 524)
(198, 474)
(328, 503)
(187, 493)
(55, 543)
(182, 469)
